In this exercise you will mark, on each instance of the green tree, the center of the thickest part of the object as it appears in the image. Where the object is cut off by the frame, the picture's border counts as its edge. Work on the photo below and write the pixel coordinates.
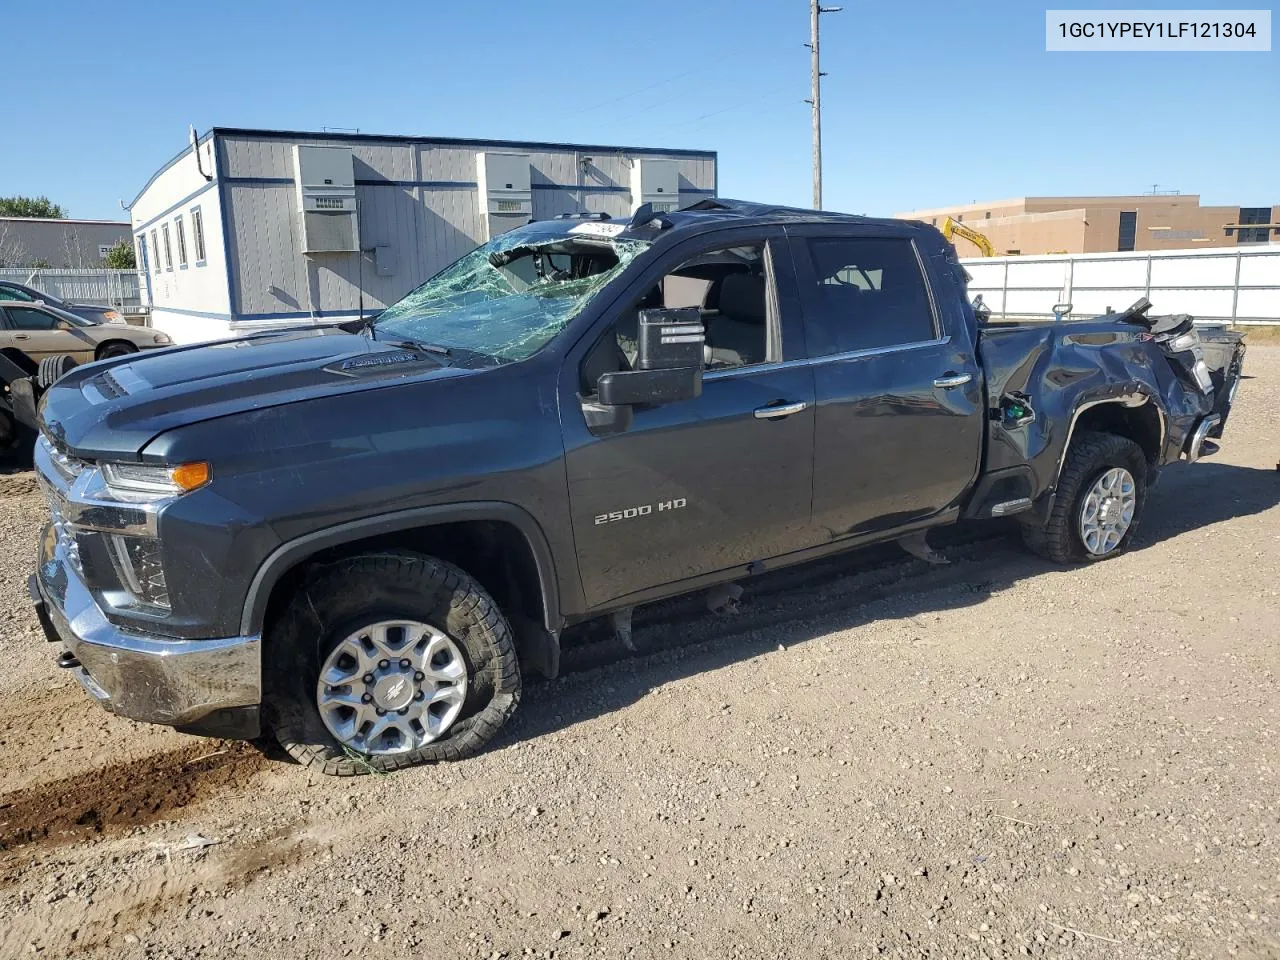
(30, 207)
(121, 257)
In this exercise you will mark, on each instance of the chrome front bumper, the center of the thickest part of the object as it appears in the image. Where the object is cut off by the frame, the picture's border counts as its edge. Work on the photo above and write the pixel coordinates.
(212, 685)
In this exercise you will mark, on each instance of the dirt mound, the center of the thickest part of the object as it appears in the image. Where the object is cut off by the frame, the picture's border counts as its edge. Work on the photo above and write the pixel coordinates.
(17, 484)
(111, 799)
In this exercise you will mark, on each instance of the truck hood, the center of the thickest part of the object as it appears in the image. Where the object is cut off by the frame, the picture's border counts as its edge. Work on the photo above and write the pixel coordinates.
(113, 408)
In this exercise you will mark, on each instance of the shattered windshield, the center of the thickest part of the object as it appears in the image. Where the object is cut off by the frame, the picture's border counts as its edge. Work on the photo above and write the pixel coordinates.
(508, 298)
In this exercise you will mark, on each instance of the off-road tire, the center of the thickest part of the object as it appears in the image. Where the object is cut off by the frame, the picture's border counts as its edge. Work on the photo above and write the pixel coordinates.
(53, 368)
(1091, 455)
(335, 599)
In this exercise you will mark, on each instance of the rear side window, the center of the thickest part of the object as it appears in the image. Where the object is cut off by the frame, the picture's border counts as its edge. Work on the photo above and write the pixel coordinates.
(868, 293)
(10, 293)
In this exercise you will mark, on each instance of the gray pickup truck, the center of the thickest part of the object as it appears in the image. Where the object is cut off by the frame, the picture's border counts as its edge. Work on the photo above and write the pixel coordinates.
(362, 536)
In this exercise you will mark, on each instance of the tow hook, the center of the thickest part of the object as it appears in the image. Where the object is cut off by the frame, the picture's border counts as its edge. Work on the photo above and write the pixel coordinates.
(67, 660)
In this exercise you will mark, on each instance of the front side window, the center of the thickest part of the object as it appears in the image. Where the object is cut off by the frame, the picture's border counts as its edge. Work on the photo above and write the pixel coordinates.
(728, 286)
(11, 293)
(168, 250)
(182, 240)
(869, 293)
(507, 299)
(28, 318)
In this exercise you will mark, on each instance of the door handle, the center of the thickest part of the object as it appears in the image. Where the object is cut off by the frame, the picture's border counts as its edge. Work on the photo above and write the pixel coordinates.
(22, 336)
(947, 381)
(780, 410)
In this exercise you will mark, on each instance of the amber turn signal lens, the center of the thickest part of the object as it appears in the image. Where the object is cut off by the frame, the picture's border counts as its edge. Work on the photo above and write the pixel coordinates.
(189, 476)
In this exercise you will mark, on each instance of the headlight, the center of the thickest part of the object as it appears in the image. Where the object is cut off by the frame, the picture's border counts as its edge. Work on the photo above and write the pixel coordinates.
(133, 481)
(163, 338)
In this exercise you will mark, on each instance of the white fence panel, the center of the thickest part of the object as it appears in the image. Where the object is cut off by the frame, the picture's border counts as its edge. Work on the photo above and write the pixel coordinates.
(1240, 285)
(108, 288)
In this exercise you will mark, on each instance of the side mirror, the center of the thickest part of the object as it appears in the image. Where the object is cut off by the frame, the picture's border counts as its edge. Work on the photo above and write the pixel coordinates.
(668, 363)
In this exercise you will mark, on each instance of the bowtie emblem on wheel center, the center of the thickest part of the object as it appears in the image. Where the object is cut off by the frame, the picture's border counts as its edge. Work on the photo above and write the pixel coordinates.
(393, 692)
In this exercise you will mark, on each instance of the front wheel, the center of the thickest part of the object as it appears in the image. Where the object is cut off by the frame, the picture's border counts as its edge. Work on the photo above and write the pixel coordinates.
(119, 349)
(1099, 501)
(389, 660)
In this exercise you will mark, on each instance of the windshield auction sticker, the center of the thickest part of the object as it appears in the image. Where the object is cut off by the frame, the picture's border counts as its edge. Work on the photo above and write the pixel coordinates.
(1169, 31)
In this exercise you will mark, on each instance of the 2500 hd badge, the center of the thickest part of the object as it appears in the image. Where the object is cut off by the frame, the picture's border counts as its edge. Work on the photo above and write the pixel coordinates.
(630, 513)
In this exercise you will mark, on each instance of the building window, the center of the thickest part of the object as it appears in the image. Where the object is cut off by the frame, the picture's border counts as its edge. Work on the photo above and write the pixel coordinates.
(1128, 230)
(934, 221)
(987, 215)
(182, 240)
(197, 234)
(1254, 215)
(142, 254)
(155, 250)
(103, 250)
(959, 218)
(168, 248)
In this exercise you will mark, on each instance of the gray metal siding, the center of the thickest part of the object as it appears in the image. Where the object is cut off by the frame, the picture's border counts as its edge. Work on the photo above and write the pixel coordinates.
(430, 214)
(59, 243)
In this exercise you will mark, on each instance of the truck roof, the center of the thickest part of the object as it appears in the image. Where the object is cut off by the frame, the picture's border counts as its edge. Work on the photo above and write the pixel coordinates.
(718, 211)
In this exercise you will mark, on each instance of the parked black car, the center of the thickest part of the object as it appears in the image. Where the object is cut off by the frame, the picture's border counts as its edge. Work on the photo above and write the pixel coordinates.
(363, 535)
(21, 293)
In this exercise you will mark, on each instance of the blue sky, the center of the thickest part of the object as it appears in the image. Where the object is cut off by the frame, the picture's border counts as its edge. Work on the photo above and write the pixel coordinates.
(926, 103)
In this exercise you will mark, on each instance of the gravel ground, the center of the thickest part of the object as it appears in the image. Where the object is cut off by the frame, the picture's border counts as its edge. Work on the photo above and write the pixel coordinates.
(872, 758)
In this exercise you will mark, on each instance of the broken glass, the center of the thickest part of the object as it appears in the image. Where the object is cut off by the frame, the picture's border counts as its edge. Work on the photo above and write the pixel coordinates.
(508, 298)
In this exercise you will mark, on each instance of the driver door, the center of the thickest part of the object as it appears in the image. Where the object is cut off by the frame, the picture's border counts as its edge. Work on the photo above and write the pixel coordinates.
(695, 487)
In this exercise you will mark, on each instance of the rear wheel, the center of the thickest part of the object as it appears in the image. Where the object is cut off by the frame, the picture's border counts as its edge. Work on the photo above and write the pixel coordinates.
(389, 660)
(117, 349)
(1099, 501)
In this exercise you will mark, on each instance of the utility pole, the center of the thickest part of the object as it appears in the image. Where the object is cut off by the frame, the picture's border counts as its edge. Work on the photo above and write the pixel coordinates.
(815, 101)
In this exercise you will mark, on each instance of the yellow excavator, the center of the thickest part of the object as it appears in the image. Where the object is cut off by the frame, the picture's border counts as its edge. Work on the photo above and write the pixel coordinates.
(952, 228)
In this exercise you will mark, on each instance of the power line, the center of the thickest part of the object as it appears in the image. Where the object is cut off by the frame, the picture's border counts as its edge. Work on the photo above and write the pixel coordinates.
(653, 86)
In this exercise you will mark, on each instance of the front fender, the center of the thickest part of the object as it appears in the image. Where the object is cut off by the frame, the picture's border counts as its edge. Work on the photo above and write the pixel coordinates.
(293, 552)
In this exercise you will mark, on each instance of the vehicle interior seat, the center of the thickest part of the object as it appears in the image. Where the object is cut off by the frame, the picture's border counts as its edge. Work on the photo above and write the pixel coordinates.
(737, 331)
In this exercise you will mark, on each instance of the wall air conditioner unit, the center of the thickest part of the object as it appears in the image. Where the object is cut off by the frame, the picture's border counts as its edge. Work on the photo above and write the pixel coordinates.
(326, 185)
(506, 197)
(656, 182)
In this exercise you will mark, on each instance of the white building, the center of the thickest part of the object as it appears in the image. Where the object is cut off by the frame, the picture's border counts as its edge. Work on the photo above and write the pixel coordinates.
(254, 228)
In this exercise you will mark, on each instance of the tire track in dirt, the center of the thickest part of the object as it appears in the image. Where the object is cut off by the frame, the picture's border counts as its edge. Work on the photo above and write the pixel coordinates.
(160, 887)
(110, 799)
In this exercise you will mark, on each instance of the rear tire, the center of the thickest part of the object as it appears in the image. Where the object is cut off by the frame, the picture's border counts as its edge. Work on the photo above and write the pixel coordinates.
(1090, 462)
(341, 600)
(53, 368)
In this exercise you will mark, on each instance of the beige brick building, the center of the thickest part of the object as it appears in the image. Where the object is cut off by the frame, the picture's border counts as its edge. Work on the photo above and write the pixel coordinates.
(1032, 225)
